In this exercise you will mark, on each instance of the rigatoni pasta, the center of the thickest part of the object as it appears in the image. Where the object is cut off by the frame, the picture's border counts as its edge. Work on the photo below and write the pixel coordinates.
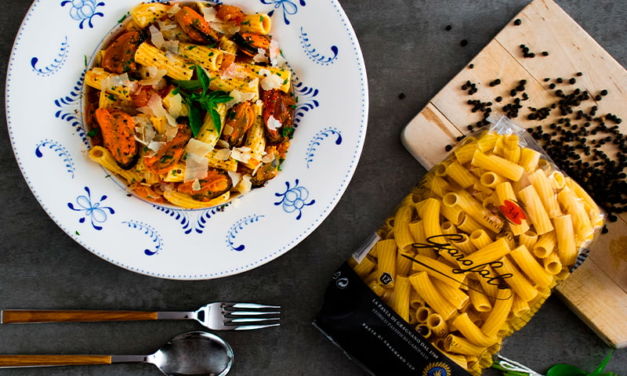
(481, 243)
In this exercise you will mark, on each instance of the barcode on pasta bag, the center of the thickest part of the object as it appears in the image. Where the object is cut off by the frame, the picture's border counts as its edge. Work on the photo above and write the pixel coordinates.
(373, 335)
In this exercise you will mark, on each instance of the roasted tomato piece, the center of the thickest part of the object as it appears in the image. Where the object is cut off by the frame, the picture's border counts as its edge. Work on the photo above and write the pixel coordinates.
(195, 26)
(250, 43)
(239, 119)
(266, 172)
(170, 153)
(216, 183)
(278, 114)
(142, 95)
(230, 13)
(118, 135)
(119, 57)
(227, 60)
(147, 192)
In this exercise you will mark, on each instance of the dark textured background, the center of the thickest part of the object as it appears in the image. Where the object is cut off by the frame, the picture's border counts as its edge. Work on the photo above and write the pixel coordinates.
(41, 267)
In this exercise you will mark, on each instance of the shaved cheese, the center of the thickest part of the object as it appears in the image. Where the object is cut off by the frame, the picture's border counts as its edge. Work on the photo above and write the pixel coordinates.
(240, 96)
(261, 56)
(171, 46)
(241, 154)
(273, 123)
(276, 55)
(195, 167)
(225, 28)
(268, 158)
(235, 177)
(144, 131)
(153, 76)
(174, 105)
(196, 185)
(198, 148)
(166, 25)
(210, 14)
(155, 108)
(117, 80)
(156, 146)
(171, 132)
(175, 8)
(244, 185)
(222, 154)
(270, 80)
(156, 37)
(234, 71)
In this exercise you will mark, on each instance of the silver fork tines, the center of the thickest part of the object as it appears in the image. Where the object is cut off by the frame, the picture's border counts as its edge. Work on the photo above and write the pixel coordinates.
(240, 316)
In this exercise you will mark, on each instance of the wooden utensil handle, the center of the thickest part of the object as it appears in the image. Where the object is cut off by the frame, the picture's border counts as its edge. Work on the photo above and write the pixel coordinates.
(25, 316)
(52, 360)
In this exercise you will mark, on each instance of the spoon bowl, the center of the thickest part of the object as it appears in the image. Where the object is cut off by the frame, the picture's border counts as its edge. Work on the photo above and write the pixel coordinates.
(194, 353)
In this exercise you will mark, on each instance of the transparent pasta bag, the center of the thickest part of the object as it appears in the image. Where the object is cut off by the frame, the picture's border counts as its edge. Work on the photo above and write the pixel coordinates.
(468, 257)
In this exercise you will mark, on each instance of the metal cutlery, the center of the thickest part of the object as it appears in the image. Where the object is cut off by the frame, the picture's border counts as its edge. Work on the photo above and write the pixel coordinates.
(193, 353)
(214, 316)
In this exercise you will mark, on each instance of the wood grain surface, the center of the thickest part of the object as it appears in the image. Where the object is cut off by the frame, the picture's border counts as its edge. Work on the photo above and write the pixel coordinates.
(52, 360)
(597, 291)
(35, 316)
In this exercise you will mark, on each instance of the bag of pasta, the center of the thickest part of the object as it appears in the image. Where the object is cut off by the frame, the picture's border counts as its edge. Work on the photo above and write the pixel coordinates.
(469, 256)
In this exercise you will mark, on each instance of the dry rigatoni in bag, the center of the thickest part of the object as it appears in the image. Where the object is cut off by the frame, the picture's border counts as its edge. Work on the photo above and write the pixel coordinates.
(468, 257)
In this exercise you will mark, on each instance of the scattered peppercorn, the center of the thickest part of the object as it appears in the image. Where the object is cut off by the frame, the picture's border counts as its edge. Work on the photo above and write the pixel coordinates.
(572, 81)
(401, 96)
(463, 43)
(545, 53)
(495, 82)
(603, 92)
(448, 147)
(498, 99)
(448, 27)
(471, 66)
(517, 22)
(579, 74)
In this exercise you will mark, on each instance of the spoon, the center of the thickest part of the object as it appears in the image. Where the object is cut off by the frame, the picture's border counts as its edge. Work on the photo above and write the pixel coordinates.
(192, 353)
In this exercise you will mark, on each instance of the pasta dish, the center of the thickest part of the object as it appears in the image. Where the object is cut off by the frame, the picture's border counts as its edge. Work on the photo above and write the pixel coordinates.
(190, 104)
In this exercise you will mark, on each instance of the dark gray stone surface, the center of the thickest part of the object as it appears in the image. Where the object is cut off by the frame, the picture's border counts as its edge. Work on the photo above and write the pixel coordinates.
(41, 267)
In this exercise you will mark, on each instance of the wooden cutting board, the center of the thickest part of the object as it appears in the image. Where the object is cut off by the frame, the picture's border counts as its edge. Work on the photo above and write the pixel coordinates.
(597, 291)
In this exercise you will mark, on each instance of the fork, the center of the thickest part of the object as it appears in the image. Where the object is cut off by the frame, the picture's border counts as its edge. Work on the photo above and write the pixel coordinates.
(215, 316)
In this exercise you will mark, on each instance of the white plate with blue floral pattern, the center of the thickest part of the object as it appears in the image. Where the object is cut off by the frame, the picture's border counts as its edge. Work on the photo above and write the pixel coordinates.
(44, 84)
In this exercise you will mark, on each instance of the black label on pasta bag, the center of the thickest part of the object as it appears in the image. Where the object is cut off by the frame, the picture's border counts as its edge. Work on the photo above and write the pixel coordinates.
(372, 334)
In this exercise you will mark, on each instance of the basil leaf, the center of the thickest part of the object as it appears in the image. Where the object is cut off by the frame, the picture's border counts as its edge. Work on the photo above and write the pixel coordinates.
(215, 116)
(188, 85)
(203, 78)
(565, 370)
(195, 119)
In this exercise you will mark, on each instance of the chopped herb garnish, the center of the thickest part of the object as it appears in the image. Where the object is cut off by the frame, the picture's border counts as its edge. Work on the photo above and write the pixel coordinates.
(112, 97)
(191, 47)
(246, 22)
(93, 132)
(86, 60)
(124, 17)
(281, 160)
(77, 233)
(287, 132)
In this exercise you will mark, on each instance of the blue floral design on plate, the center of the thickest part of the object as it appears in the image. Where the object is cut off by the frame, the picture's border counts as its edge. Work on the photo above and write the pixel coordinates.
(312, 52)
(94, 210)
(152, 234)
(61, 151)
(317, 139)
(307, 101)
(191, 220)
(68, 107)
(56, 64)
(236, 228)
(289, 7)
(84, 10)
(294, 199)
